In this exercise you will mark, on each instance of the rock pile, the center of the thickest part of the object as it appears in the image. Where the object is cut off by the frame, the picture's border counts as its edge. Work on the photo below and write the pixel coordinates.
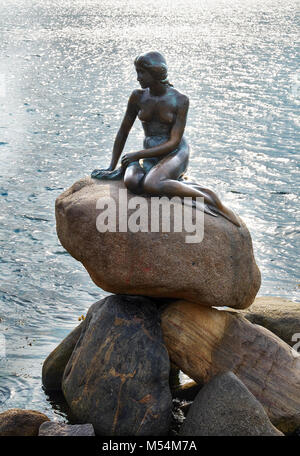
(114, 367)
(205, 342)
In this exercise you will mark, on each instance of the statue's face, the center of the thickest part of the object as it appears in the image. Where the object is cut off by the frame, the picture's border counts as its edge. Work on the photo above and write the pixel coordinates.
(144, 77)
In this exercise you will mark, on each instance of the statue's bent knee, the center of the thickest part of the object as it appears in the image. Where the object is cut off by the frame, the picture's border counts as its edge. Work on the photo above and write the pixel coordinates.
(133, 183)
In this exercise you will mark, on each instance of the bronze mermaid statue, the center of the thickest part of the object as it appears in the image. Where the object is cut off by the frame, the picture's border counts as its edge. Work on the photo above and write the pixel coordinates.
(162, 111)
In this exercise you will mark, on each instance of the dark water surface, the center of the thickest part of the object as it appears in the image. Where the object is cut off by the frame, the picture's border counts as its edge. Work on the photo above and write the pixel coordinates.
(65, 75)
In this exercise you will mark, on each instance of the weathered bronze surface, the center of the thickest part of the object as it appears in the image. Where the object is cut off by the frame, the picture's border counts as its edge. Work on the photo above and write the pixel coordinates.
(162, 111)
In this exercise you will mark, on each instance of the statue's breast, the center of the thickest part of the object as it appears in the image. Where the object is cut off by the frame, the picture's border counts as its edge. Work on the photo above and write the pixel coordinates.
(161, 114)
(145, 115)
(166, 116)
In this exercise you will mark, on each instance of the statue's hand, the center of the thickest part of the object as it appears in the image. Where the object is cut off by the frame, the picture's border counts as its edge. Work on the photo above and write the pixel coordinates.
(108, 174)
(129, 158)
(98, 172)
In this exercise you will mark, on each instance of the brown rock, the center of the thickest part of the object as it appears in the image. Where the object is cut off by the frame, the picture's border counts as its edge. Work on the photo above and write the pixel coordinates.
(118, 375)
(54, 365)
(279, 315)
(204, 342)
(219, 271)
(18, 422)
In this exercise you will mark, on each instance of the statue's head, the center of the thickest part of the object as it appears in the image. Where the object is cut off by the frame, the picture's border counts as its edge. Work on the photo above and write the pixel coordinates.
(155, 64)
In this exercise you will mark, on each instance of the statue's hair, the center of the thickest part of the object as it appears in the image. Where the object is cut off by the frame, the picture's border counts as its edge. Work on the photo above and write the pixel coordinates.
(156, 64)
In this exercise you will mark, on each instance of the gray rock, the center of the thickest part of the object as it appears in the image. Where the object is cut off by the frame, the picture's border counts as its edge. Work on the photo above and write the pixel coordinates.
(51, 428)
(225, 407)
(278, 315)
(18, 422)
(118, 375)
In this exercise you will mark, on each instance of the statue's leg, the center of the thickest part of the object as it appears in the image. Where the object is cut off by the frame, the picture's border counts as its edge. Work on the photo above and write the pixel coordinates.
(133, 177)
(214, 198)
(216, 207)
(162, 180)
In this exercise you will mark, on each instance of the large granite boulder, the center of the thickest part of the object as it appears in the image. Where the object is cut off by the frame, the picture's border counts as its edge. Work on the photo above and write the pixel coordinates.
(117, 377)
(225, 407)
(219, 271)
(22, 423)
(204, 342)
(279, 315)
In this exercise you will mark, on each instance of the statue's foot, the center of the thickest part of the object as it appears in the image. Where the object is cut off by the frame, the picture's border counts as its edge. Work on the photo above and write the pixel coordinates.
(103, 174)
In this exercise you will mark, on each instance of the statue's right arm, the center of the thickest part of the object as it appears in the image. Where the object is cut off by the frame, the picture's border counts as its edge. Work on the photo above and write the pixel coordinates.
(126, 125)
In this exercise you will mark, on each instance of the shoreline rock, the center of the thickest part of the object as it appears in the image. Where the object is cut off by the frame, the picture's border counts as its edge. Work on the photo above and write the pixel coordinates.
(225, 407)
(20, 422)
(279, 315)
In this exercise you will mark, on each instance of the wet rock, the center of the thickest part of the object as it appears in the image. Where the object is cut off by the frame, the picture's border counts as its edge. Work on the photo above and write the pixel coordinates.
(219, 271)
(18, 422)
(203, 342)
(118, 375)
(225, 407)
(55, 363)
(68, 430)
